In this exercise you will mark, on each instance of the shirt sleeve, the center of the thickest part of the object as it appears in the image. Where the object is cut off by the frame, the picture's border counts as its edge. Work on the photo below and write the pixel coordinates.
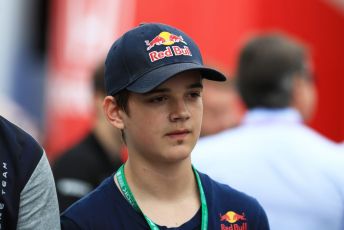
(38, 207)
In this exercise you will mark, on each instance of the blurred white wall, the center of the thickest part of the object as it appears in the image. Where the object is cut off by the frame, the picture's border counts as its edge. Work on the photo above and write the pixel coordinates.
(14, 30)
(10, 19)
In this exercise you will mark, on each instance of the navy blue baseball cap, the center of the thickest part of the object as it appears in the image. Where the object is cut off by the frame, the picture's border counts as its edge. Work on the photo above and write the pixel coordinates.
(150, 54)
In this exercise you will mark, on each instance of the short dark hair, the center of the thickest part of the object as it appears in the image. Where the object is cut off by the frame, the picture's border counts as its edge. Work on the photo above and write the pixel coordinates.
(266, 68)
(122, 98)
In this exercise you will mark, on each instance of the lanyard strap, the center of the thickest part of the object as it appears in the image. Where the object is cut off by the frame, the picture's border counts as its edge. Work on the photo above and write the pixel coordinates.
(131, 199)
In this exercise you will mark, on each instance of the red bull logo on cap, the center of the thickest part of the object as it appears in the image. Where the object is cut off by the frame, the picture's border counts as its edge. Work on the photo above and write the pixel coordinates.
(164, 38)
(167, 39)
(233, 219)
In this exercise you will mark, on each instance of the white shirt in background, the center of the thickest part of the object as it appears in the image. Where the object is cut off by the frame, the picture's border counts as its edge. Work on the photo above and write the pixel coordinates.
(295, 173)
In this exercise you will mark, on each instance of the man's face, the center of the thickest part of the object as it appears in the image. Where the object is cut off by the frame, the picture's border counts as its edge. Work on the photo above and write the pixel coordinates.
(164, 124)
(222, 109)
(304, 96)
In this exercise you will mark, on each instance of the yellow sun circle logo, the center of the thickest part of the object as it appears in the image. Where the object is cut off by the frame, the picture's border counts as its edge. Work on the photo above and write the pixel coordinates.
(166, 36)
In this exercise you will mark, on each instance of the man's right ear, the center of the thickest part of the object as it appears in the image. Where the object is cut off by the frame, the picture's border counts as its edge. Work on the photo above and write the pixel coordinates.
(113, 113)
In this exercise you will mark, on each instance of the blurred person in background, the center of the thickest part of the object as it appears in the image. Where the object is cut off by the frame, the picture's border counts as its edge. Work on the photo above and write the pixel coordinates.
(27, 190)
(81, 168)
(342, 145)
(296, 174)
(221, 107)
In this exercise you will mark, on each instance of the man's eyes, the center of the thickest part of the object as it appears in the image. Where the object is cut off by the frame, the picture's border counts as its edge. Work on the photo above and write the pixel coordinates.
(195, 94)
(157, 99)
(162, 98)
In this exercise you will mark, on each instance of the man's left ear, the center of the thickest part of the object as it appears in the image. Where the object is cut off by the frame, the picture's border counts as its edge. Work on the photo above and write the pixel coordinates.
(113, 112)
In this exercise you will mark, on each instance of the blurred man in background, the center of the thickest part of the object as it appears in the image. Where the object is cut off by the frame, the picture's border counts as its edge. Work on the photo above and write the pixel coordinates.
(296, 174)
(81, 168)
(27, 191)
(222, 108)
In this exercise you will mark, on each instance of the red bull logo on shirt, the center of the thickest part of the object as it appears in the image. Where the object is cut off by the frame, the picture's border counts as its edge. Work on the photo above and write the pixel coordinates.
(167, 39)
(235, 220)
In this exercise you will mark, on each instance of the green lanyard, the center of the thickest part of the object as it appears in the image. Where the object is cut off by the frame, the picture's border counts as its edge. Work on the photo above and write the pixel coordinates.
(131, 199)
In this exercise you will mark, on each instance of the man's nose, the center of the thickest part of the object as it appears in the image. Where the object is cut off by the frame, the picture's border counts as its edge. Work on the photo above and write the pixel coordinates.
(179, 111)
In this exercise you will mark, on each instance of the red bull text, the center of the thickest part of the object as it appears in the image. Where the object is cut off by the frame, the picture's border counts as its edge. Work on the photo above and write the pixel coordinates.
(167, 39)
(232, 218)
(234, 227)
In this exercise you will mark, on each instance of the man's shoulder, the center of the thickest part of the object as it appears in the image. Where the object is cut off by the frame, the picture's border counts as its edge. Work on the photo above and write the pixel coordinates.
(232, 208)
(223, 193)
(86, 155)
(103, 208)
(81, 150)
(20, 152)
(247, 137)
(98, 199)
(17, 142)
(214, 147)
(19, 156)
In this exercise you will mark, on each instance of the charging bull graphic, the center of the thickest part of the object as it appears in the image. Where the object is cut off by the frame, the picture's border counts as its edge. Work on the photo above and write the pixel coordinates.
(164, 38)
(232, 217)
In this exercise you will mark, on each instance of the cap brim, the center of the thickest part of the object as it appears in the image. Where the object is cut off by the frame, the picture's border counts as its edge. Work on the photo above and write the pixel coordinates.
(157, 76)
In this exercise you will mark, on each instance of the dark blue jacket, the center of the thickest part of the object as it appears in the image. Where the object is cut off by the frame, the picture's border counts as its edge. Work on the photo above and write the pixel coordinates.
(106, 208)
(19, 156)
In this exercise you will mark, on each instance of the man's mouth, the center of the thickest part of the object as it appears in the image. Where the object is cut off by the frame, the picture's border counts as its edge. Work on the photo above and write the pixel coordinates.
(178, 134)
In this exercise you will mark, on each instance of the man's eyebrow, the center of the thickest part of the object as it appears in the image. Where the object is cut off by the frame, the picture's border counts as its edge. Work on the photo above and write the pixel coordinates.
(196, 85)
(165, 90)
(157, 90)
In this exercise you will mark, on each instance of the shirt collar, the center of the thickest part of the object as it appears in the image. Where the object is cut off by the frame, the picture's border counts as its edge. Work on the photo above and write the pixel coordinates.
(262, 115)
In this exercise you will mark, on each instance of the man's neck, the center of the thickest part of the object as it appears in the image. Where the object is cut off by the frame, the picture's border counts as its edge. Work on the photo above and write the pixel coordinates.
(163, 181)
(164, 190)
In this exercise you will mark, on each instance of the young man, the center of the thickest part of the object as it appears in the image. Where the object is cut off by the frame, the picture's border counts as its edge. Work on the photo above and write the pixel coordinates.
(154, 78)
(27, 192)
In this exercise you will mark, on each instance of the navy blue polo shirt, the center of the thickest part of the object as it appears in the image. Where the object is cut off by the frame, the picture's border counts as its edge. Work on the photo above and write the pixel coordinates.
(106, 208)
